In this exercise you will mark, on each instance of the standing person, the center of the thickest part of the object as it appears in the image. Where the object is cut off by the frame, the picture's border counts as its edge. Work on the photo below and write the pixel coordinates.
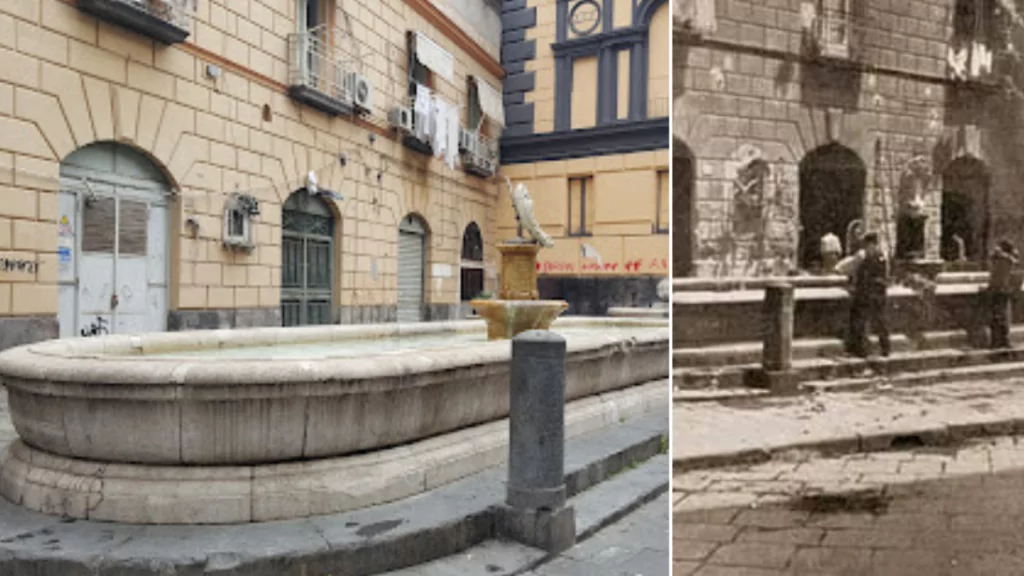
(869, 270)
(1002, 285)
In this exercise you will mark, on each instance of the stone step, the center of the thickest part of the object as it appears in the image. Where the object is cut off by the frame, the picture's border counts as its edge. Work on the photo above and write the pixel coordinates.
(744, 353)
(595, 509)
(993, 371)
(825, 370)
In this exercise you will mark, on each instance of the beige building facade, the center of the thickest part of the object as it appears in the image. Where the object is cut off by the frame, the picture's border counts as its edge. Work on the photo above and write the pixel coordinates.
(181, 164)
(587, 100)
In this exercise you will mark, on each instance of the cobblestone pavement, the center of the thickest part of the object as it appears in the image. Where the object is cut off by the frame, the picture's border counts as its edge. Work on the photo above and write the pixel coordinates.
(924, 512)
(637, 545)
(784, 421)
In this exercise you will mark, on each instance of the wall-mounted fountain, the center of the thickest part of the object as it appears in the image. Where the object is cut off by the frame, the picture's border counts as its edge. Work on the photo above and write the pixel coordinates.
(519, 307)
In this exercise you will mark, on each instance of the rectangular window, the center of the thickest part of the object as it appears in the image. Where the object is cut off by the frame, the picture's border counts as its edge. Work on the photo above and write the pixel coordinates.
(581, 206)
(832, 27)
(662, 218)
(419, 74)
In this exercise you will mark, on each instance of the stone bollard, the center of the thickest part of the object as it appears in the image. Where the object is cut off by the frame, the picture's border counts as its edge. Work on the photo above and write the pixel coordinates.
(534, 512)
(777, 351)
(777, 341)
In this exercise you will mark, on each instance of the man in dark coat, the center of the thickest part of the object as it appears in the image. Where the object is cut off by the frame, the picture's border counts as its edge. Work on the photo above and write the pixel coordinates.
(869, 270)
(1003, 283)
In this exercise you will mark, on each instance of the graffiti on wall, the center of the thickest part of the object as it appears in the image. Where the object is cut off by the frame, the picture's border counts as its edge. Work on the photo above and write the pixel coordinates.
(634, 266)
(98, 327)
(18, 265)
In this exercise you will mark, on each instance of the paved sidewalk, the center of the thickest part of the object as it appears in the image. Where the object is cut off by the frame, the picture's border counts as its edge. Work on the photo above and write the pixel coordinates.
(637, 545)
(716, 430)
(923, 512)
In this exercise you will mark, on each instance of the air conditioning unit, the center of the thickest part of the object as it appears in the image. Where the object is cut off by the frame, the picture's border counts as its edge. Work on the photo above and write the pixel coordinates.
(469, 141)
(400, 118)
(360, 89)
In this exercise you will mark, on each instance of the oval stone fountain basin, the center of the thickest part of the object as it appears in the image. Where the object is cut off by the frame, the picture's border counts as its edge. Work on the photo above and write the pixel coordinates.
(252, 396)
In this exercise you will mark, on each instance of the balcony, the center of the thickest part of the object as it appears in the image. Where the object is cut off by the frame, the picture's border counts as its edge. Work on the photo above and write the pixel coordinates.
(168, 21)
(479, 153)
(322, 75)
(830, 29)
(405, 119)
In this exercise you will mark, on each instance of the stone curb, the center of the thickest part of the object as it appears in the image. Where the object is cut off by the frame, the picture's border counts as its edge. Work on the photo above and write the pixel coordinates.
(646, 495)
(436, 525)
(912, 437)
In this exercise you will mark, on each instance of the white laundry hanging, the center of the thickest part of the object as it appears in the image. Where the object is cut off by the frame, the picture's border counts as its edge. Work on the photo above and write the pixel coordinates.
(440, 141)
(452, 156)
(423, 108)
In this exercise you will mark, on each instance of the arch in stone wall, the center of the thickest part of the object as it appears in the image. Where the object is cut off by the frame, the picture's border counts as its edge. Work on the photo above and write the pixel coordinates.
(832, 193)
(966, 182)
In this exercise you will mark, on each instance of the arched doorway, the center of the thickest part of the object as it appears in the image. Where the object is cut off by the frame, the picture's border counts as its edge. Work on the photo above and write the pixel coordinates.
(832, 180)
(472, 263)
(112, 242)
(682, 210)
(412, 257)
(307, 260)
(965, 188)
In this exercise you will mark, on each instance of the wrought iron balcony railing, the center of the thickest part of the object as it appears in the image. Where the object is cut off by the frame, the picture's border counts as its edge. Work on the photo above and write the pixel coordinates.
(168, 21)
(321, 73)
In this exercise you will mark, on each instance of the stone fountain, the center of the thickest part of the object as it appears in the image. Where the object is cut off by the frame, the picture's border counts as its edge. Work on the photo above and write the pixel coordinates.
(519, 307)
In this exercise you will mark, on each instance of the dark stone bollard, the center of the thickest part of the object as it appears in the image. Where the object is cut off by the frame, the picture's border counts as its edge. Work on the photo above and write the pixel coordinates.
(535, 512)
(777, 341)
(777, 351)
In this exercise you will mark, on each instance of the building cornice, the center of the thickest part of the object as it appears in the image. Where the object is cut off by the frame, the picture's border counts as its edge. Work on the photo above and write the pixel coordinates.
(433, 15)
(618, 138)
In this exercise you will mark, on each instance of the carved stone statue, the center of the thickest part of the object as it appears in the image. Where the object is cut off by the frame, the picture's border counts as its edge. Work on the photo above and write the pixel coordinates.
(523, 204)
(960, 248)
(831, 252)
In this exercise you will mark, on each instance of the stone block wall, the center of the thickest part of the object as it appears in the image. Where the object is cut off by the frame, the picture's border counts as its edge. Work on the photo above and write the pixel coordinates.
(69, 80)
(749, 88)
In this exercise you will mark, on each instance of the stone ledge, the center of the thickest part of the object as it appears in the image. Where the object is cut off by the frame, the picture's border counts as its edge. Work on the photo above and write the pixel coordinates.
(141, 494)
(20, 330)
(441, 523)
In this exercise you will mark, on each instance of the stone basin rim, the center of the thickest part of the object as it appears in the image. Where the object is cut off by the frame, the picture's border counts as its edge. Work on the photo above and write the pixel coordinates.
(123, 359)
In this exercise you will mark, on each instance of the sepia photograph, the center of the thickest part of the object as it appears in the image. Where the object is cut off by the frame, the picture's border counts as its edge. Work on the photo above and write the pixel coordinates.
(335, 287)
(846, 279)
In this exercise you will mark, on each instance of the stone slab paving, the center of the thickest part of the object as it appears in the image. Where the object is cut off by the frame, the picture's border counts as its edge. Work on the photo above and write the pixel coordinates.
(634, 542)
(637, 545)
(923, 512)
(732, 428)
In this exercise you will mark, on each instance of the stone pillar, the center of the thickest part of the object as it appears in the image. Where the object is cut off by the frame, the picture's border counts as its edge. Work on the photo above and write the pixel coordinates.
(777, 341)
(777, 351)
(535, 512)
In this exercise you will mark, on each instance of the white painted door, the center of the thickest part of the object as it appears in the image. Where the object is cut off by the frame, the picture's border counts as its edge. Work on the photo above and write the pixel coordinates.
(112, 257)
(411, 249)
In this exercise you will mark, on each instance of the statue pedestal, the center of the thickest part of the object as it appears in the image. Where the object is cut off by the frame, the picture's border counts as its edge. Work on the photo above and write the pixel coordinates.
(518, 271)
(518, 307)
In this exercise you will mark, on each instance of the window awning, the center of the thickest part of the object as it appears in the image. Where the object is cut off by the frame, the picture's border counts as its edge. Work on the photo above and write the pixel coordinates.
(491, 101)
(431, 55)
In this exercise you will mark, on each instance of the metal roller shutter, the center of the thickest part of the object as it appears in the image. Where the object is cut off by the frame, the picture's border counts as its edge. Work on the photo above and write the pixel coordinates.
(411, 236)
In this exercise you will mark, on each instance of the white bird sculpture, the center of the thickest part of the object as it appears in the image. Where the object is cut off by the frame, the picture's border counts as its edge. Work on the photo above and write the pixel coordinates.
(523, 204)
(311, 185)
